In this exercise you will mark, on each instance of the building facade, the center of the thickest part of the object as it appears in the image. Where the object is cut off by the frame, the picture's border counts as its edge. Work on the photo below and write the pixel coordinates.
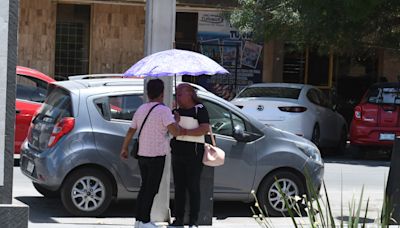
(70, 37)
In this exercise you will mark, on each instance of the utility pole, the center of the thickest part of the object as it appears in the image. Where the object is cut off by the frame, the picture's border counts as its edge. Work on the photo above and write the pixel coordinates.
(11, 215)
(160, 36)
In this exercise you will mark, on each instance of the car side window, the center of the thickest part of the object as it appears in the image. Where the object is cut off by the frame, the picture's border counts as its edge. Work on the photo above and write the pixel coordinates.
(221, 119)
(121, 107)
(312, 95)
(31, 89)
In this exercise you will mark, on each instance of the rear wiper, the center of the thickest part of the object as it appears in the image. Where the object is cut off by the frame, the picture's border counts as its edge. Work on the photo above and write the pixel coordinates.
(45, 118)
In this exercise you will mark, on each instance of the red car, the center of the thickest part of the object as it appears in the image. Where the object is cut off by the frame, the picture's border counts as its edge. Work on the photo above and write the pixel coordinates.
(31, 92)
(376, 120)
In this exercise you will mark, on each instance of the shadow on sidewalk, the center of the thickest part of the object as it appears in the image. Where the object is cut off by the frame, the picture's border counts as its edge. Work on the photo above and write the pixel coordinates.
(45, 210)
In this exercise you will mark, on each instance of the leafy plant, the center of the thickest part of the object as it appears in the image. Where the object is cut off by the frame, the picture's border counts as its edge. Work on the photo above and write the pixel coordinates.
(319, 212)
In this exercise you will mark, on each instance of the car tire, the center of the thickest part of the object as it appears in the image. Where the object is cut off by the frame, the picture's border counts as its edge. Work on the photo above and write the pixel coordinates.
(86, 192)
(46, 192)
(341, 147)
(316, 135)
(268, 193)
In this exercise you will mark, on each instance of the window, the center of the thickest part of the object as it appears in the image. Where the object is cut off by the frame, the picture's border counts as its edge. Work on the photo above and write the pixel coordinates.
(276, 92)
(386, 95)
(121, 107)
(220, 119)
(312, 95)
(324, 99)
(31, 89)
(72, 40)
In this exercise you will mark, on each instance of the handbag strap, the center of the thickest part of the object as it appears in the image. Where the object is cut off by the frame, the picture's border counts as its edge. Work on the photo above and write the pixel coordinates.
(211, 133)
(212, 137)
(144, 121)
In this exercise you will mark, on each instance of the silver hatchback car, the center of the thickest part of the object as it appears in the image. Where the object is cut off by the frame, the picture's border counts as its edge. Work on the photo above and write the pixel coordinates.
(73, 146)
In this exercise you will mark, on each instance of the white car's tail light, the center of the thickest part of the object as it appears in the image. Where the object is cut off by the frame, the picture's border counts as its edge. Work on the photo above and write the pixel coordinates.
(293, 109)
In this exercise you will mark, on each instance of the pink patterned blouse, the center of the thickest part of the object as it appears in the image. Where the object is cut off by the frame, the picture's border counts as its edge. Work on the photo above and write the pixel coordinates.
(154, 139)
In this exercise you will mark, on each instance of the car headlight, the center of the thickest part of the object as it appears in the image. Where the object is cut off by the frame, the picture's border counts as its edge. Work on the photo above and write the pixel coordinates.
(310, 151)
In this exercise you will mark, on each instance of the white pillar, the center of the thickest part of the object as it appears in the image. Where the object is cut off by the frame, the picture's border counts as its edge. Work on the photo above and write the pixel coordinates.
(11, 215)
(160, 36)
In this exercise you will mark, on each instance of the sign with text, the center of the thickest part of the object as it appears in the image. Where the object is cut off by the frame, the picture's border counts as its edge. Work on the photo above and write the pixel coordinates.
(235, 51)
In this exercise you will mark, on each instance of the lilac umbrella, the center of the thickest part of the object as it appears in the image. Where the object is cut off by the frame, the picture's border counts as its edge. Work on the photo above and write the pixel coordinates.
(175, 62)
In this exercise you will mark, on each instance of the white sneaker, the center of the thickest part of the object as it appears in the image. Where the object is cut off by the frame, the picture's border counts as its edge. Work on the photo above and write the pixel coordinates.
(147, 225)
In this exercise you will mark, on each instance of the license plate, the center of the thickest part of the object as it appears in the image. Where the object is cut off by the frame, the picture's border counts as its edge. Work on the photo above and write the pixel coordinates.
(387, 136)
(30, 166)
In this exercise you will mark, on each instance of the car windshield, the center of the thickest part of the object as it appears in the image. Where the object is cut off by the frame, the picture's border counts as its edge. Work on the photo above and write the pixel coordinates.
(275, 92)
(385, 95)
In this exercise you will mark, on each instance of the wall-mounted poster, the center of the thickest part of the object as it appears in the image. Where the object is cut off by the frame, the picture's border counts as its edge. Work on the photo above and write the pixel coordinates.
(250, 54)
(231, 49)
(212, 49)
(214, 28)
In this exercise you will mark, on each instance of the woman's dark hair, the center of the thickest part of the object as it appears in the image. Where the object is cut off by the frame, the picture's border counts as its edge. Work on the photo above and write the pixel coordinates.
(155, 88)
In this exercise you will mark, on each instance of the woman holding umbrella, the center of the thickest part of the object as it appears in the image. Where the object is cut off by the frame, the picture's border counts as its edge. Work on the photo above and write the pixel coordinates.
(187, 155)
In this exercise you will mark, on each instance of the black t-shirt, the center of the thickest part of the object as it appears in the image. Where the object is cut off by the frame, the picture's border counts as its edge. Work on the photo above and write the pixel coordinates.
(185, 148)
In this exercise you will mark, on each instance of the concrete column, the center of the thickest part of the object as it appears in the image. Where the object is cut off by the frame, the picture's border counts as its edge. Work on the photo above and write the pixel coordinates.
(393, 185)
(160, 36)
(10, 215)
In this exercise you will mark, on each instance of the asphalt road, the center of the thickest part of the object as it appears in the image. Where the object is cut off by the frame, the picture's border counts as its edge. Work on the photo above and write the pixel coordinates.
(344, 179)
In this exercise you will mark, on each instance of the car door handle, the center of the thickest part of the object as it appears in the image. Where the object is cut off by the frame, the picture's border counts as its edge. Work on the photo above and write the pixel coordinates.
(17, 111)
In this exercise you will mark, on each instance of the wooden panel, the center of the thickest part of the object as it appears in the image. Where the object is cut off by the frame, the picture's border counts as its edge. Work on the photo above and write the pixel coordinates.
(36, 35)
(117, 37)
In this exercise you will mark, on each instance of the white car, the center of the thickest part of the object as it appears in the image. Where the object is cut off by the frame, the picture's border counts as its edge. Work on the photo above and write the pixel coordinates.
(298, 108)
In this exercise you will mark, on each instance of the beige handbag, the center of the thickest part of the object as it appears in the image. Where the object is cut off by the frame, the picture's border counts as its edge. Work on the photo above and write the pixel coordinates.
(213, 156)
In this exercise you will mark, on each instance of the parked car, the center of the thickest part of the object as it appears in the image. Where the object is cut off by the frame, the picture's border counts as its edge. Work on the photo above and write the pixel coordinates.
(298, 108)
(376, 119)
(75, 141)
(30, 94)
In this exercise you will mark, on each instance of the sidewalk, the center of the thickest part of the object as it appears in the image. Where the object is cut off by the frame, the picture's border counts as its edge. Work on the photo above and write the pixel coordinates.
(123, 222)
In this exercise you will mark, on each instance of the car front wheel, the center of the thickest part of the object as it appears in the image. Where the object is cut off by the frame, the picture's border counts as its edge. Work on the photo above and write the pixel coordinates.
(86, 192)
(270, 195)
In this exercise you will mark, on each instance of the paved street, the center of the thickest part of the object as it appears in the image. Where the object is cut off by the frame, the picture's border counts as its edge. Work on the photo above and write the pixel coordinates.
(339, 172)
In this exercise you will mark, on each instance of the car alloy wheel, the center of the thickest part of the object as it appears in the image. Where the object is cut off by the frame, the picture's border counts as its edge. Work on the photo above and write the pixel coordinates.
(270, 197)
(86, 192)
(282, 187)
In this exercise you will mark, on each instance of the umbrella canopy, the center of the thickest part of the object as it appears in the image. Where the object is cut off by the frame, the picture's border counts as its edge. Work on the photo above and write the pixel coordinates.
(175, 62)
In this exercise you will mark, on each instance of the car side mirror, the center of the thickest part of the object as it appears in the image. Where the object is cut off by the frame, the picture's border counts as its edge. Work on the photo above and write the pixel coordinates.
(239, 134)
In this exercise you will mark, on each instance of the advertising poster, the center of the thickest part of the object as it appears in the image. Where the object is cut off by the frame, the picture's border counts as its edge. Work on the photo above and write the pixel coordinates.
(212, 49)
(233, 50)
(251, 53)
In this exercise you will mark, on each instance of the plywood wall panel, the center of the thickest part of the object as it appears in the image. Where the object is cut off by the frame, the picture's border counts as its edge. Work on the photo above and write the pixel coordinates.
(36, 35)
(117, 37)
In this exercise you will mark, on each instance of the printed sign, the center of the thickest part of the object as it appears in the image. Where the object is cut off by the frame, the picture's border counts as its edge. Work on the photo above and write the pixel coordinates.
(233, 50)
